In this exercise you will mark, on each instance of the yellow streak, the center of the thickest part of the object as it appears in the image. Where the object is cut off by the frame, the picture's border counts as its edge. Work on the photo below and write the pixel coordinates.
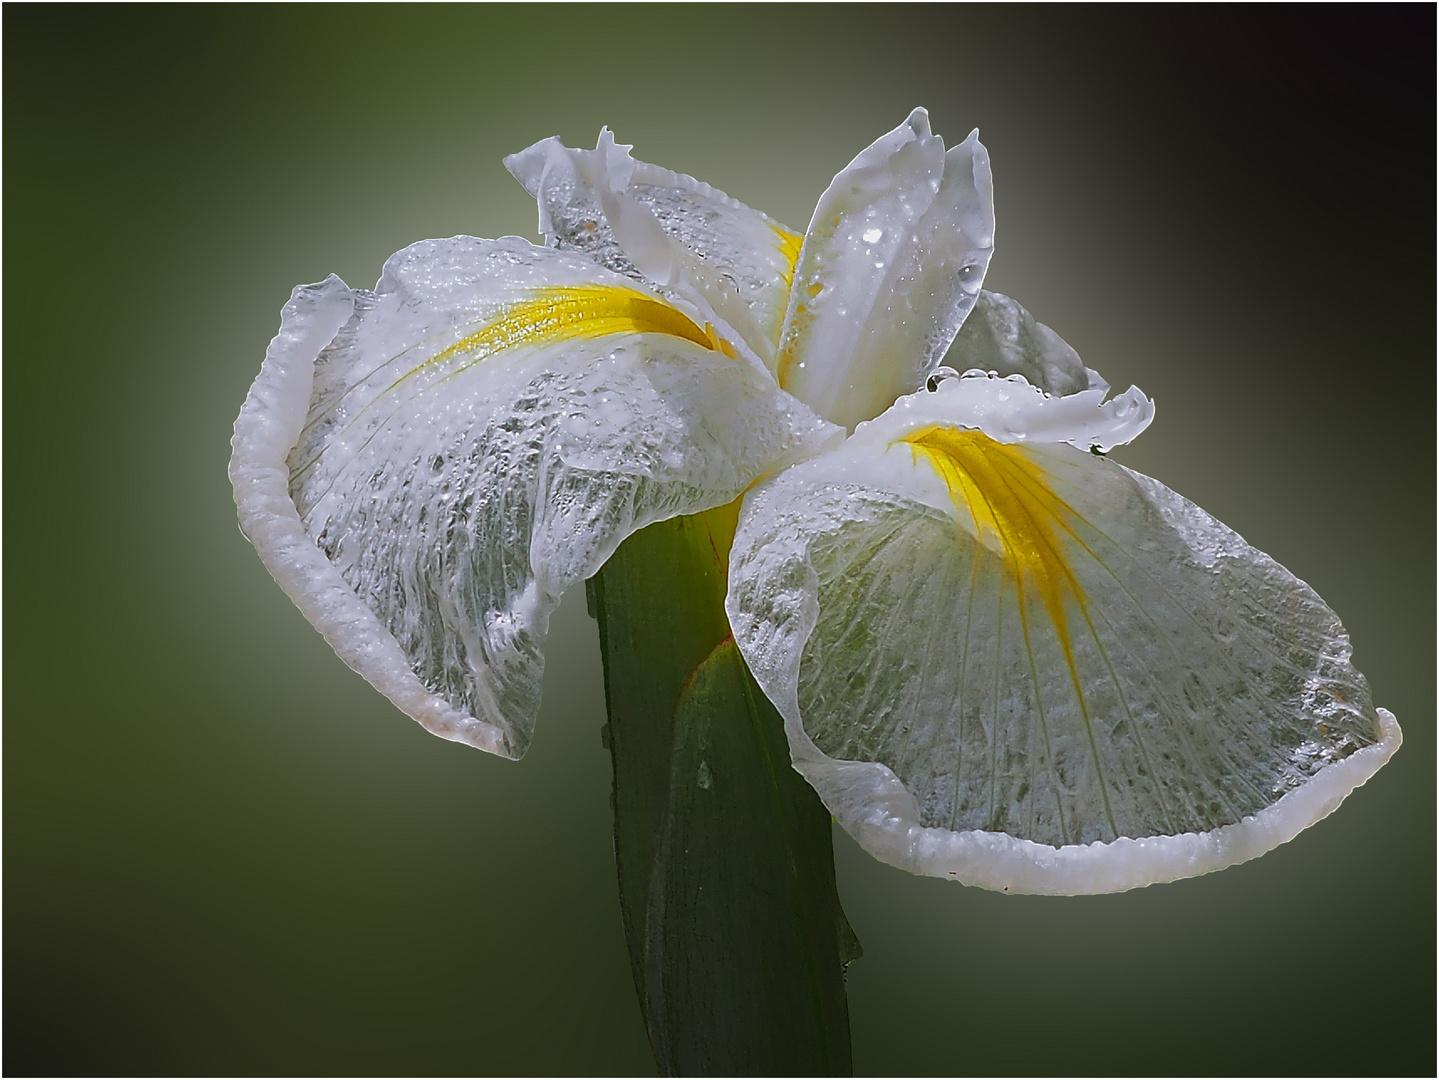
(1012, 503)
(1013, 506)
(574, 313)
(784, 363)
(557, 313)
(789, 245)
(719, 344)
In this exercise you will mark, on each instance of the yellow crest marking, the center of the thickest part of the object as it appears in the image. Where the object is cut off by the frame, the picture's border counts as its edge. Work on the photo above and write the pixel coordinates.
(554, 314)
(789, 245)
(575, 313)
(1015, 509)
(784, 363)
(718, 343)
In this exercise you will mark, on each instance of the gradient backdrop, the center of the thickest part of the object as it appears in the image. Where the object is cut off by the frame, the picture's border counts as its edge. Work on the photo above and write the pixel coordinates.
(224, 853)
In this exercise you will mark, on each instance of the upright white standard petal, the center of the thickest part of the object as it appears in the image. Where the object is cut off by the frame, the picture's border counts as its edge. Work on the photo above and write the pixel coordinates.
(425, 468)
(1016, 664)
(691, 241)
(891, 265)
(1000, 336)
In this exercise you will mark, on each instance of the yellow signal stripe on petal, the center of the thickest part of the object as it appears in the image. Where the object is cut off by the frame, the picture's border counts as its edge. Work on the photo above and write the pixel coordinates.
(1012, 503)
(789, 245)
(574, 313)
(551, 315)
(799, 326)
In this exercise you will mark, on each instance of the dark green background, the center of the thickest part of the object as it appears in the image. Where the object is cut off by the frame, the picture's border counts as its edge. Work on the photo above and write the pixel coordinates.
(224, 853)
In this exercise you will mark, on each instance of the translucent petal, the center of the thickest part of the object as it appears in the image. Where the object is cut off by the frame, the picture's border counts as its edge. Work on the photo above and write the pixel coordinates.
(425, 468)
(1021, 666)
(1000, 336)
(891, 265)
(691, 241)
(1010, 409)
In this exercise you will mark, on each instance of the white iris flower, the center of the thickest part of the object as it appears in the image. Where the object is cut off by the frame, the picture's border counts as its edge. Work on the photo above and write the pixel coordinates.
(1001, 658)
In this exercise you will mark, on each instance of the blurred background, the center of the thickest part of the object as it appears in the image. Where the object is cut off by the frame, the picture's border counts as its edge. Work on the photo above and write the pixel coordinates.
(224, 853)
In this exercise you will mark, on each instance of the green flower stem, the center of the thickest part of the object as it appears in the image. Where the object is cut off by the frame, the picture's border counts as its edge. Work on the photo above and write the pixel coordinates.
(737, 940)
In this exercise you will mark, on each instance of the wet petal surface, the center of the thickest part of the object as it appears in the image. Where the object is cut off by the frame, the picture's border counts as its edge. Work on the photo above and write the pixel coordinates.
(1000, 336)
(691, 241)
(891, 265)
(427, 467)
(1020, 665)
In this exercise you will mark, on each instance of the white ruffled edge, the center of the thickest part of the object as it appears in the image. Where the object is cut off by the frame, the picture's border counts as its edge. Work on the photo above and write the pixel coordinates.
(608, 171)
(266, 430)
(1010, 409)
(888, 829)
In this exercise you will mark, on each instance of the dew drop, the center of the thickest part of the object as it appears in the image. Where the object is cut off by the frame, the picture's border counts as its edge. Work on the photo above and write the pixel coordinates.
(941, 375)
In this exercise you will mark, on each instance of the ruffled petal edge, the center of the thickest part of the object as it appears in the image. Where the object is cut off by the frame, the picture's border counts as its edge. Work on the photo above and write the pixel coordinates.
(887, 827)
(267, 428)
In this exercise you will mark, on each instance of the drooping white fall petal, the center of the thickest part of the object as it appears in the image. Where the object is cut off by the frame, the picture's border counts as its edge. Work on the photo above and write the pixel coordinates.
(425, 468)
(1008, 661)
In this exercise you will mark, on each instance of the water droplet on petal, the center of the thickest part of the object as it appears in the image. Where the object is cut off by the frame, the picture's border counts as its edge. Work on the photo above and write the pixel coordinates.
(941, 375)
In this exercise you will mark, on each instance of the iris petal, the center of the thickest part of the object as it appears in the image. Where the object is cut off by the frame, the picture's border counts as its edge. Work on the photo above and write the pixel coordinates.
(1000, 336)
(692, 242)
(1019, 665)
(426, 467)
(891, 265)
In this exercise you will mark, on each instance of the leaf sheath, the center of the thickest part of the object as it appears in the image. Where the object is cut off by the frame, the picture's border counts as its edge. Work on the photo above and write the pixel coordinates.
(737, 940)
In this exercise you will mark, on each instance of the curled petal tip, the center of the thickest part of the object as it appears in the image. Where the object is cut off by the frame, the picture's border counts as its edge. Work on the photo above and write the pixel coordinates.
(527, 165)
(611, 149)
